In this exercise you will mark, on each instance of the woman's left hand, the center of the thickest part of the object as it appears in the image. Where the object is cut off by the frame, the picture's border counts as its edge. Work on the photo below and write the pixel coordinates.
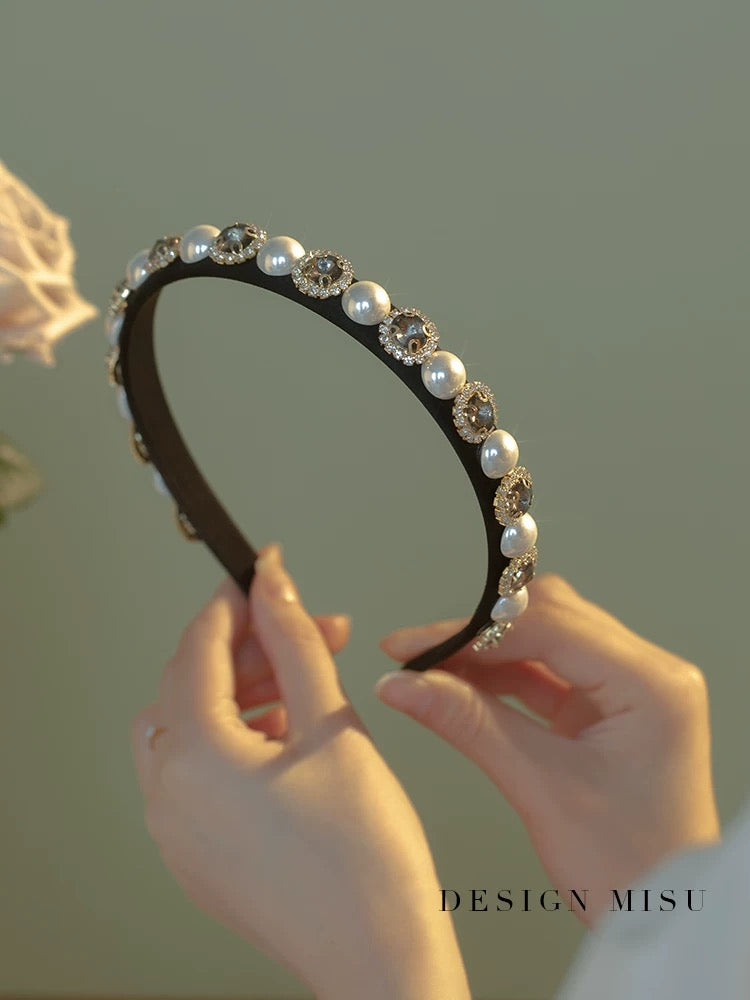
(290, 828)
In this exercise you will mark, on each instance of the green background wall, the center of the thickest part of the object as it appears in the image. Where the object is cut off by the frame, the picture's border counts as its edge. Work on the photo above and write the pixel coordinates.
(563, 187)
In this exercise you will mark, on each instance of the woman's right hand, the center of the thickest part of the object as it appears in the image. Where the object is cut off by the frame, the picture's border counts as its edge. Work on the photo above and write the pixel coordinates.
(619, 779)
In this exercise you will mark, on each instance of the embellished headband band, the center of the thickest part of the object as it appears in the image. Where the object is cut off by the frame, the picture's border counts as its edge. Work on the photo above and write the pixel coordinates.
(406, 341)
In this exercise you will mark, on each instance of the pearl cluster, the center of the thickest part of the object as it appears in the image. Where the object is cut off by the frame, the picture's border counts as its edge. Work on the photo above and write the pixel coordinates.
(405, 333)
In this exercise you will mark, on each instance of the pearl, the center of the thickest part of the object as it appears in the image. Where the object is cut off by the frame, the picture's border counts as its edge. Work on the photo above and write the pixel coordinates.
(196, 243)
(518, 537)
(499, 454)
(113, 325)
(366, 302)
(159, 484)
(279, 254)
(507, 608)
(137, 270)
(443, 374)
(122, 403)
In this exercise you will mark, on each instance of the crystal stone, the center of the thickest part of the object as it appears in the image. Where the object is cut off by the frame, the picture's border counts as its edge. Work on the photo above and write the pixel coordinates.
(235, 239)
(519, 498)
(479, 411)
(409, 333)
(521, 576)
(475, 411)
(323, 271)
(514, 495)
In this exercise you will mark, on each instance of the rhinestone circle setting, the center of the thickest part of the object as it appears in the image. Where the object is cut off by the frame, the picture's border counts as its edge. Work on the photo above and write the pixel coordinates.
(475, 412)
(408, 335)
(322, 273)
(237, 243)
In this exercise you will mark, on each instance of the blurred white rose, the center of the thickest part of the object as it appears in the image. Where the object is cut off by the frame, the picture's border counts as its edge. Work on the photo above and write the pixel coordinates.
(39, 303)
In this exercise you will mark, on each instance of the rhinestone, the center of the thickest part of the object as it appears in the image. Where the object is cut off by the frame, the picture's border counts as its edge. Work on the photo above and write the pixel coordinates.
(408, 335)
(327, 265)
(480, 411)
(322, 273)
(475, 412)
(491, 636)
(237, 243)
(118, 302)
(514, 496)
(518, 572)
(163, 252)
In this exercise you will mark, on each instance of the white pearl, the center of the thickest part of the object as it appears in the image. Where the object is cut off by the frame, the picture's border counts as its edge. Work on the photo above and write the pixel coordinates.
(122, 403)
(518, 537)
(507, 608)
(366, 302)
(499, 454)
(159, 484)
(113, 325)
(278, 255)
(443, 374)
(137, 270)
(196, 243)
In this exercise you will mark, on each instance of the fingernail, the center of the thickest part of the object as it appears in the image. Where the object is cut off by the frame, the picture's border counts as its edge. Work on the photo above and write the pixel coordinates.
(269, 566)
(342, 620)
(403, 689)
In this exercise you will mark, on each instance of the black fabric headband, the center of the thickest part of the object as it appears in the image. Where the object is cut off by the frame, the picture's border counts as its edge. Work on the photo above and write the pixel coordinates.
(406, 341)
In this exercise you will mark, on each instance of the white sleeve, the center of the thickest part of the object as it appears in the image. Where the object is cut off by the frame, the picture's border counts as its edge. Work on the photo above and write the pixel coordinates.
(676, 954)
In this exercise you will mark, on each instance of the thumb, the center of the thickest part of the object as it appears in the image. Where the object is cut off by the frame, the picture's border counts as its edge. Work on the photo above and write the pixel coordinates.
(506, 744)
(301, 661)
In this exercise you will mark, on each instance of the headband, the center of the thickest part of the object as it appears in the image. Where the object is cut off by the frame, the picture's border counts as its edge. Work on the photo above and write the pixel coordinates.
(404, 339)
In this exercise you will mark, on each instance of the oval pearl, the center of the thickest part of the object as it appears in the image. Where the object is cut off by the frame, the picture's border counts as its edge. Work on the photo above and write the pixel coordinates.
(113, 325)
(499, 454)
(518, 537)
(443, 374)
(507, 608)
(196, 243)
(122, 403)
(278, 255)
(159, 484)
(366, 302)
(137, 270)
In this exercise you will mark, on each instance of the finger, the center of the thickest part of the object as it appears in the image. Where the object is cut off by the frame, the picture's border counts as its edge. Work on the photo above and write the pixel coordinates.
(529, 681)
(273, 722)
(303, 666)
(197, 689)
(252, 665)
(508, 745)
(579, 641)
(262, 693)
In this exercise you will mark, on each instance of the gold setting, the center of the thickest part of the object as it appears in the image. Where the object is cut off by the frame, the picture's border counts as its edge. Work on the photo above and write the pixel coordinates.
(320, 285)
(463, 412)
(412, 352)
(509, 580)
(509, 500)
(237, 242)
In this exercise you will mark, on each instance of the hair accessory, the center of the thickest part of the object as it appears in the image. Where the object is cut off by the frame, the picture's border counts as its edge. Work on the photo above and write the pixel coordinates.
(404, 338)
